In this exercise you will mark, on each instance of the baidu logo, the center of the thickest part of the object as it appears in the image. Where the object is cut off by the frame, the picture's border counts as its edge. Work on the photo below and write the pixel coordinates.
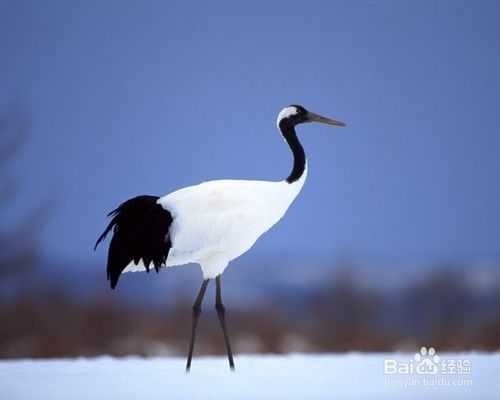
(427, 368)
(427, 361)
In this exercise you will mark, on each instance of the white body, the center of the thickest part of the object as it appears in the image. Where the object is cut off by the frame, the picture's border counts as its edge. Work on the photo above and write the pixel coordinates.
(217, 221)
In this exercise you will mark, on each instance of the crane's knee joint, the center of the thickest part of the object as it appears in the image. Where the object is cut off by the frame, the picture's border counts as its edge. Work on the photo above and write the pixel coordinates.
(196, 311)
(220, 308)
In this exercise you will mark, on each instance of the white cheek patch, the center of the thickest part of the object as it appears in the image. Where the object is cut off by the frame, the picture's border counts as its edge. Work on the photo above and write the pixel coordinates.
(285, 113)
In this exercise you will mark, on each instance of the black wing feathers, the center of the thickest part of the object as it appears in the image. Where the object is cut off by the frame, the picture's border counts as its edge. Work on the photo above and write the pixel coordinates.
(140, 231)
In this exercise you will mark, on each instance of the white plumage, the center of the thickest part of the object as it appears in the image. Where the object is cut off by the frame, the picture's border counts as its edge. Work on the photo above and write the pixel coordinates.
(208, 220)
(286, 113)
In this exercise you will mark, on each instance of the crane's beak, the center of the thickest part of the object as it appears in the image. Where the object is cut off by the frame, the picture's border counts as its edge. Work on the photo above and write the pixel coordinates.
(312, 117)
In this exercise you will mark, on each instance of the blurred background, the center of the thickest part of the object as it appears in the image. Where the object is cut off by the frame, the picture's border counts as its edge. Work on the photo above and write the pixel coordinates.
(393, 244)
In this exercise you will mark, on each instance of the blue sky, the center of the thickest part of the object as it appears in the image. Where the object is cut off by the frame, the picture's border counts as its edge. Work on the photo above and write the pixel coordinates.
(131, 98)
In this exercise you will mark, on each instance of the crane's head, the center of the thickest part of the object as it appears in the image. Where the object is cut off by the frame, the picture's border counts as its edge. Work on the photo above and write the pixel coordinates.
(294, 115)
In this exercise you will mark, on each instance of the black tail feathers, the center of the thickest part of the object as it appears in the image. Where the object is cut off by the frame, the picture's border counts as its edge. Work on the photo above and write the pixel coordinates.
(140, 232)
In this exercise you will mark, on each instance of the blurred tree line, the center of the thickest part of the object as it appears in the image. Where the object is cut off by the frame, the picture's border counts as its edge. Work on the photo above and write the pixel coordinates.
(341, 315)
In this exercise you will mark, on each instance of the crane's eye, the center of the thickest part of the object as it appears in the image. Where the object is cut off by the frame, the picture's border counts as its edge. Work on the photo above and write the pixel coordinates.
(301, 110)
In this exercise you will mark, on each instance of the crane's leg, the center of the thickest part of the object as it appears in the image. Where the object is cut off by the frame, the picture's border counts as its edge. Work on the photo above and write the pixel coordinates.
(221, 313)
(196, 315)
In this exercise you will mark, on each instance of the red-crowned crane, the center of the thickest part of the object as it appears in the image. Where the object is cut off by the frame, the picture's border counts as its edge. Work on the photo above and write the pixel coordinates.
(209, 224)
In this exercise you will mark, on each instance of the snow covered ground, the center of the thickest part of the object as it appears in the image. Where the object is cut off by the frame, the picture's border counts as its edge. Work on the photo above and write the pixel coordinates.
(349, 376)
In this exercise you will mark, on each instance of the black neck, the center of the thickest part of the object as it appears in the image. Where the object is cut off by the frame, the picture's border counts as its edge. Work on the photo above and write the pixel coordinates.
(299, 157)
